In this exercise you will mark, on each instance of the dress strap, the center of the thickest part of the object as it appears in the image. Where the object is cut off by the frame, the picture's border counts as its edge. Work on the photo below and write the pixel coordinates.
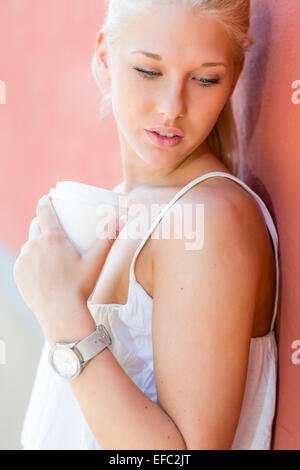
(268, 219)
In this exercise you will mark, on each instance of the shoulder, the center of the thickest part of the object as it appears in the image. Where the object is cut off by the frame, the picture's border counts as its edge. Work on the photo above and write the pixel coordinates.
(211, 255)
(226, 215)
(224, 192)
(203, 313)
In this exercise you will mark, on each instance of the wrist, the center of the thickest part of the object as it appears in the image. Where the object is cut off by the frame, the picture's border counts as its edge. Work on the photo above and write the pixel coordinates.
(77, 323)
(68, 360)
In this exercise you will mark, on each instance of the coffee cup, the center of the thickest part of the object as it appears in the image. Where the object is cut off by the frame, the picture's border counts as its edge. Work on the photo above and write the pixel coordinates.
(84, 210)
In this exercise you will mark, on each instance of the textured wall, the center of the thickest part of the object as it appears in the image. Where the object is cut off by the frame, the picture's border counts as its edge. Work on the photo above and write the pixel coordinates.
(49, 132)
(268, 118)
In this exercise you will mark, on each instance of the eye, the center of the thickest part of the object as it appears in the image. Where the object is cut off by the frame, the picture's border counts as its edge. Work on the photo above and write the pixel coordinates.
(204, 82)
(146, 73)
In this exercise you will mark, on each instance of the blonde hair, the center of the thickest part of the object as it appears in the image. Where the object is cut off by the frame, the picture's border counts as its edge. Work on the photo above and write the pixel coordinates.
(234, 15)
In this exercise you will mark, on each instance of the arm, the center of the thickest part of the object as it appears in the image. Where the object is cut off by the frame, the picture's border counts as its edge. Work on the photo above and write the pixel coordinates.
(52, 276)
(202, 331)
(201, 336)
(121, 416)
(118, 413)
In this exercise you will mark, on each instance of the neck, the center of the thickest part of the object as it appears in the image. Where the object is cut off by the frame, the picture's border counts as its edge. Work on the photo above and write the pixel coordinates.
(138, 173)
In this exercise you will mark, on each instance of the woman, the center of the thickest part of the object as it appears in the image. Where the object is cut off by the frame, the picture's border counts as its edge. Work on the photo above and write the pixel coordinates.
(192, 364)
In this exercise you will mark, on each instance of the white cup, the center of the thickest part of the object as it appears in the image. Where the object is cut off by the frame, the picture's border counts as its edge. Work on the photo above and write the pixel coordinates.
(82, 208)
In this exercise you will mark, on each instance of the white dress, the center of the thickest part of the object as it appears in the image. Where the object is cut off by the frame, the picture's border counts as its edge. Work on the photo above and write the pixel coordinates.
(54, 419)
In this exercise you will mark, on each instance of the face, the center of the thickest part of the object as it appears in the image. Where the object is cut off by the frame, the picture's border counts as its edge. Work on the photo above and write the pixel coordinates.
(153, 91)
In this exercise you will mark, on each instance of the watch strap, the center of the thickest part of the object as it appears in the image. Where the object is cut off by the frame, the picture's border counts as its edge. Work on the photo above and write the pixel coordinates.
(94, 343)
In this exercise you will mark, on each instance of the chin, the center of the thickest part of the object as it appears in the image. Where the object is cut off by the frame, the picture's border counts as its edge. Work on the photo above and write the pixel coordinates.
(161, 161)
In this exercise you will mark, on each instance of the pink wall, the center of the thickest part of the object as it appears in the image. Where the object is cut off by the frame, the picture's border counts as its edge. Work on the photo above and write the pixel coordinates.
(49, 132)
(48, 127)
(269, 130)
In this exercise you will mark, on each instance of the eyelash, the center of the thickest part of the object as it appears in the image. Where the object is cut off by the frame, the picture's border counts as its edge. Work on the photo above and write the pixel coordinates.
(205, 81)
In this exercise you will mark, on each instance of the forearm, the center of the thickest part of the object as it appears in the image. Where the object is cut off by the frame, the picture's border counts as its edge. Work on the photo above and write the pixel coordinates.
(118, 413)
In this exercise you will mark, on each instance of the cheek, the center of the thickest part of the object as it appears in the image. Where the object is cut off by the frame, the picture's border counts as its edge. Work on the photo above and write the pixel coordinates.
(129, 99)
(204, 111)
(208, 103)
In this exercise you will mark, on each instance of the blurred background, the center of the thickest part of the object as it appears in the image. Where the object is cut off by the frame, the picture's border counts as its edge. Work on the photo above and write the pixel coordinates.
(50, 131)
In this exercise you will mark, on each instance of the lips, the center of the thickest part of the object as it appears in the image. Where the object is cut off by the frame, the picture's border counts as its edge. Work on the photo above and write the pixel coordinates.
(169, 133)
(167, 130)
(162, 141)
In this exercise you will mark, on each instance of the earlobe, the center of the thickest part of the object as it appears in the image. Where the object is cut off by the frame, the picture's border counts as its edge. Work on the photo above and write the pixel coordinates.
(104, 72)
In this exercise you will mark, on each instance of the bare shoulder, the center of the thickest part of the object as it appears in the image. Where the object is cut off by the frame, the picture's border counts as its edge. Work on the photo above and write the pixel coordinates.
(228, 243)
(230, 215)
(203, 314)
(221, 190)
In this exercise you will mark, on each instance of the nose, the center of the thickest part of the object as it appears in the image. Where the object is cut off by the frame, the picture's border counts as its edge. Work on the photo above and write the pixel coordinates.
(172, 103)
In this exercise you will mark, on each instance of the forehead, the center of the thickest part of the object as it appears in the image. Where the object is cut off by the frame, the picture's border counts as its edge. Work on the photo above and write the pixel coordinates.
(176, 33)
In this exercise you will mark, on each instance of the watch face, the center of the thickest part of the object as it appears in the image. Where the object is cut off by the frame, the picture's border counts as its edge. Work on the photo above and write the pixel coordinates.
(65, 362)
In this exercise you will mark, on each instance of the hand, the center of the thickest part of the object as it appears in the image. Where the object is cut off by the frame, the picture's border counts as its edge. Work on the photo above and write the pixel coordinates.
(54, 278)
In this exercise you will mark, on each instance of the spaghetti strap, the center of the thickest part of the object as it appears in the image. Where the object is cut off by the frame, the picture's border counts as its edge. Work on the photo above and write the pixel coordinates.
(268, 219)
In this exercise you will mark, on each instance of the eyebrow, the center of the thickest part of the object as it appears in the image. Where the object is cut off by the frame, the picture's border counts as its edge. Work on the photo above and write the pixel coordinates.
(158, 57)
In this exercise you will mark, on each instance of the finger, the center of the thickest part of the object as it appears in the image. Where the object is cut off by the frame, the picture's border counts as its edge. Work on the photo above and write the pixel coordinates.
(24, 248)
(100, 248)
(34, 229)
(94, 259)
(47, 218)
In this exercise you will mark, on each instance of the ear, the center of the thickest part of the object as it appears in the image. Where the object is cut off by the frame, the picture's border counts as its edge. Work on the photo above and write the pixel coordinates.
(102, 57)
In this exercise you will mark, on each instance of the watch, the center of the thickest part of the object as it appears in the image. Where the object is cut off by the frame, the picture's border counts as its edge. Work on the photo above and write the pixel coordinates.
(69, 359)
